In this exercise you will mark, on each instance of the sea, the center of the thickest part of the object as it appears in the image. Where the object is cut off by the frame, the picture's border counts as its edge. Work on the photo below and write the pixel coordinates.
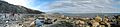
(91, 14)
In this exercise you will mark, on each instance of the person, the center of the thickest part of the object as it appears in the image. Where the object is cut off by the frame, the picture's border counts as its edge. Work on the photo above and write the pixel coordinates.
(39, 22)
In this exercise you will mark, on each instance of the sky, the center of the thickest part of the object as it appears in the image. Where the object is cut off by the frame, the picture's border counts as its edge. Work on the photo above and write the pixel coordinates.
(71, 6)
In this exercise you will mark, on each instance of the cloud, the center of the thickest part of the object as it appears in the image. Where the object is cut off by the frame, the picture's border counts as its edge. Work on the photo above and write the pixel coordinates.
(84, 6)
(17, 2)
(71, 6)
(33, 4)
(25, 3)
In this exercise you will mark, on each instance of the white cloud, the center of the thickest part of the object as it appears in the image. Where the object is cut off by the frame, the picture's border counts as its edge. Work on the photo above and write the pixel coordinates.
(25, 3)
(84, 6)
(73, 6)
(17, 2)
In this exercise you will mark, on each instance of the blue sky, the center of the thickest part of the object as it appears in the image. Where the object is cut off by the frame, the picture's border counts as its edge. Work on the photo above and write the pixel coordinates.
(71, 6)
(116, 5)
(40, 4)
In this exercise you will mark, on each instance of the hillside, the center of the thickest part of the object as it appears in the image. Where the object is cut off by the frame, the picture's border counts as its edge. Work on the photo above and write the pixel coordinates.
(5, 7)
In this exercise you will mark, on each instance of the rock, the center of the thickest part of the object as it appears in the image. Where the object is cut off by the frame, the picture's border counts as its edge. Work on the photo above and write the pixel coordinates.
(62, 24)
(54, 20)
(94, 23)
(98, 19)
(81, 22)
(67, 18)
(102, 26)
(48, 21)
(32, 24)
